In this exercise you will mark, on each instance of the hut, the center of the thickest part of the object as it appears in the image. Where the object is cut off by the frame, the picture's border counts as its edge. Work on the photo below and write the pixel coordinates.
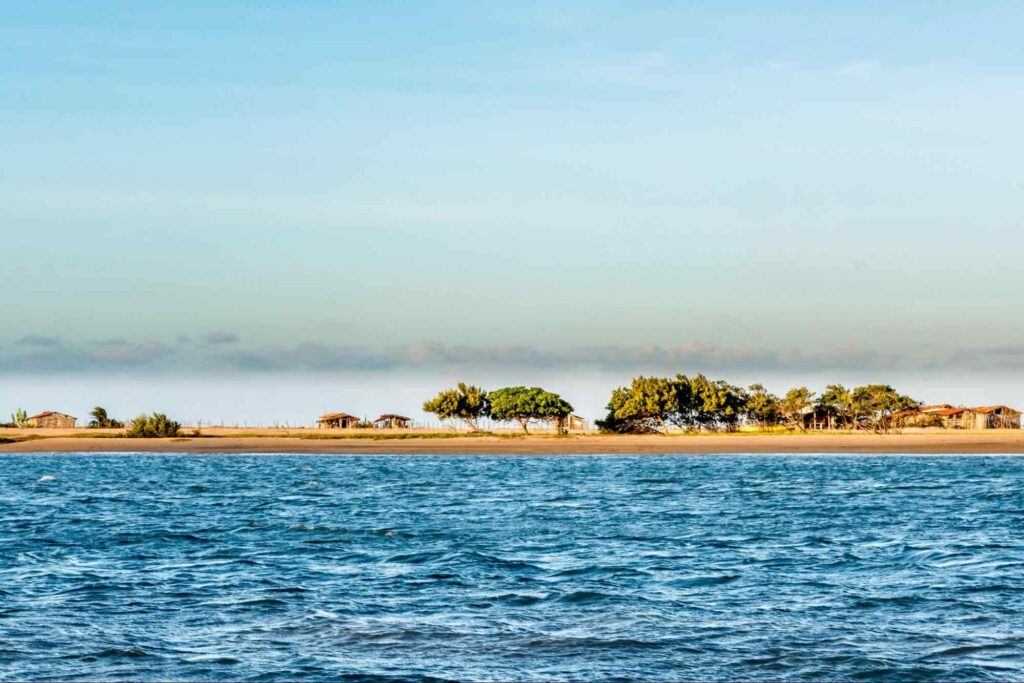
(391, 421)
(995, 417)
(946, 416)
(337, 421)
(570, 423)
(52, 420)
(938, 415)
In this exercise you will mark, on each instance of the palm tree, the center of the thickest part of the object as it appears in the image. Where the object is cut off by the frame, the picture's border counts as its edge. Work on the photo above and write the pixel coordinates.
(100, 419)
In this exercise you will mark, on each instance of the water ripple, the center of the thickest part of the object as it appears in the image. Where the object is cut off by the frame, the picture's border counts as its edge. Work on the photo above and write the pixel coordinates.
(424, 568)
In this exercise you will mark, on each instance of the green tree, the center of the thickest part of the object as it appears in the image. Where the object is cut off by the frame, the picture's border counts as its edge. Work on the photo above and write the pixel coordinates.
(646, 405)
(526, 405)
(711, 404)
(100, 419)
(762, 407)
(19, 418)
(874, 403)
(466, 402)
(837, 402)
(795, 404)
(153, 426)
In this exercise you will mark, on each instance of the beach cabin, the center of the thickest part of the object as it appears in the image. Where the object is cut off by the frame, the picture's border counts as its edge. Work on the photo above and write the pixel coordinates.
(946, 416)
(570, 423)
(391, 421)
(52, 420)
(995, 417)
(337, 421)
(938, 415)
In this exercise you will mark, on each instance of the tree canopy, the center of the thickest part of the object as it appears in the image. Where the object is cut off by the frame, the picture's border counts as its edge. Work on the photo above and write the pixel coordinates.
(873, 404)
(652, 404)
(527, 404)
(465, 402)
(795, 404)
(762, 407)
(644, 406)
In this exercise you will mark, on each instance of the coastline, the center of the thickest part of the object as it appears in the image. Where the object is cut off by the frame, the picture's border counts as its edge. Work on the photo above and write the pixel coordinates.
(268, 441)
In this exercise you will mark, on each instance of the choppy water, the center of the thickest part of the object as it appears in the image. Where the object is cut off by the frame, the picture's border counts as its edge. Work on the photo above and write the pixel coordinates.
(511, 568)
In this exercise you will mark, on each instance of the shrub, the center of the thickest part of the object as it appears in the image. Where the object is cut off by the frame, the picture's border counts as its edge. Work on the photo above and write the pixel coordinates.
(153, 426)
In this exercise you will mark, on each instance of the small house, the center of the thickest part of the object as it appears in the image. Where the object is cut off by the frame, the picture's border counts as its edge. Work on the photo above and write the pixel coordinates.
(949, 417)
(996, 417)
(337, 421)
(52, 420)
(391, 421)
(570, 423)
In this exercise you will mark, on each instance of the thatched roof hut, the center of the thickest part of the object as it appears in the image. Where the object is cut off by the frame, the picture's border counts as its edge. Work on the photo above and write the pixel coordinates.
(392, 421)
(337, 421)
(996, 417)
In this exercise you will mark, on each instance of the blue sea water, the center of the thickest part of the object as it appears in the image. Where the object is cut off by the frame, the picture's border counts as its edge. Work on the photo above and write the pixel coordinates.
(511, 568)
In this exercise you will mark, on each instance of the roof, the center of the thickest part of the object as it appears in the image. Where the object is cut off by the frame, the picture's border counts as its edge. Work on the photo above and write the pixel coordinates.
(336, 416)
(948, 412)
(48, 413)
(985, 410)
(944, 410)
(392, 416)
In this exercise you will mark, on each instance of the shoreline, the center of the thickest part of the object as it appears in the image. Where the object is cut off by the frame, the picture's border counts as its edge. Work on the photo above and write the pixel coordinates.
(953, 443)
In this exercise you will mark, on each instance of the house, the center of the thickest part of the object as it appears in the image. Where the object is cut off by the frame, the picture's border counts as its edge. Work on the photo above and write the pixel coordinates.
(52, 420)
(390, 421)
(570, 423)
(337, 421)
(996, 417)
(823, 417)
(938, 415)
(946, 416)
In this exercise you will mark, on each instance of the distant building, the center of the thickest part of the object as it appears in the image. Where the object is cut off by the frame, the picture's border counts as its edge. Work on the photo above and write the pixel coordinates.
(52, 420)
(390, 421)
(570, 423)
(337, 421)
(996, 417)
(959, 417)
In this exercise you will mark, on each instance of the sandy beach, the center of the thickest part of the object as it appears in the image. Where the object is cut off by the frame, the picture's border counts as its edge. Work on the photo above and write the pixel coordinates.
(281, 441)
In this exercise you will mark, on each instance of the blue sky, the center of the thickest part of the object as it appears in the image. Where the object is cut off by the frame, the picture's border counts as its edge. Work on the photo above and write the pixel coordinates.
(549, 189)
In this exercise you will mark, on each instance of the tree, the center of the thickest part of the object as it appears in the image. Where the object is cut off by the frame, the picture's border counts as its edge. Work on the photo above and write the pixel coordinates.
(466, 402)
(644, 406)
(837, 402)
(20, 418)
(100, 419)
(762, 407)
(526, 405)
(711, 404)
(795, 404)
(874, 403)
(153, 426)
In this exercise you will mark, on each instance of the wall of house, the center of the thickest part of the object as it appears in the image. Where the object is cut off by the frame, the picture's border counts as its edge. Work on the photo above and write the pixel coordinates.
(53, 422)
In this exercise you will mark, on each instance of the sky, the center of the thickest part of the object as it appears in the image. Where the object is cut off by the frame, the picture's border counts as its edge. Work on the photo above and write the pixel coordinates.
(266, 209)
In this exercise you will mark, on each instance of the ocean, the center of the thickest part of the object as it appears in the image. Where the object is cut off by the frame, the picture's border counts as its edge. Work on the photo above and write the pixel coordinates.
(511, 568)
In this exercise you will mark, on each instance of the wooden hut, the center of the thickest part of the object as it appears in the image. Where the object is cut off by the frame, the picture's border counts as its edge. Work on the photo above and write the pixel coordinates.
(946, 416)
(52, 420)
(337, 421)
(570, 423)
(995, 417)
(391, 421)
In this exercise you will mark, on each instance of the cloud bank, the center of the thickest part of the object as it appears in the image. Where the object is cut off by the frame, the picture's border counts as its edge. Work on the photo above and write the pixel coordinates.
(223, 352)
